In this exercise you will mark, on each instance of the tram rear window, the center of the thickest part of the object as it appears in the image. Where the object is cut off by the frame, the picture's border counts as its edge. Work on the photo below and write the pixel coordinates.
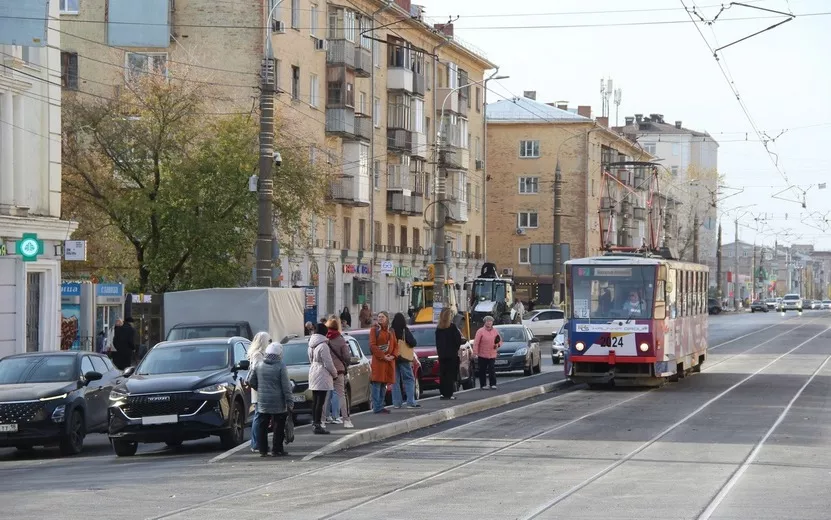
(612, 292)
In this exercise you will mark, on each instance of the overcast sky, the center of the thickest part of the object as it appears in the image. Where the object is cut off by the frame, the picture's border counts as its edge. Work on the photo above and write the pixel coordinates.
(783, 77)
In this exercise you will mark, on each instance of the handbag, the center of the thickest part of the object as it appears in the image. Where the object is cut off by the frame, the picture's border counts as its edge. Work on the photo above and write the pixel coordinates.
(405, 352)
(289, 430)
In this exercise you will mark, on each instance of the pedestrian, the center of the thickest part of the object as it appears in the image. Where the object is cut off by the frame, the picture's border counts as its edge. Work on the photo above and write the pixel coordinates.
(322, 374)
(484, 349)
(384, 348)
(309, 328)
(101, 342)
(271, 380)
(255, 355)
(124, 343)
(404, 373)
(365, 316)
(346, 318)
(519, 308)
(341, 355)
(448, 341)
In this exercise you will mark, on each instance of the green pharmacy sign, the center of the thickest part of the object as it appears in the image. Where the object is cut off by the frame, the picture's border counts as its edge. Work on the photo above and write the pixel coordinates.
(29, 247)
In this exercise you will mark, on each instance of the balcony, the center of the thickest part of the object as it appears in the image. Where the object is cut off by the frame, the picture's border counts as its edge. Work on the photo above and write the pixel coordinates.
(363, 128)
(341, 52)
(344, 190)
(419, 84)
(399, 178)
(452, 103)
(399, 140)
(363, 62)
(341, 121)
(456, 210)
(400, 79)
(404, 204)
(419, 146)
(458, 158)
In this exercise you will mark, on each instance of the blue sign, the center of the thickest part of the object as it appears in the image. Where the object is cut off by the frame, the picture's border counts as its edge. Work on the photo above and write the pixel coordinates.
(109, 289)
(70, 289)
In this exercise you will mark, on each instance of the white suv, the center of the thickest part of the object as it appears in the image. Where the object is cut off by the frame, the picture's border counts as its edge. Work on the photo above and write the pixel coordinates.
(792, 302)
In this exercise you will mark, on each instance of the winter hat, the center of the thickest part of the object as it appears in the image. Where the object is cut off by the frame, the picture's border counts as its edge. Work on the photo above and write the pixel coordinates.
(274, 351)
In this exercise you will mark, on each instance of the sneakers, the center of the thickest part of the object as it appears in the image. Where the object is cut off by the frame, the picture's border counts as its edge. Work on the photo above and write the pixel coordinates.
(397, 407)
(493, 387)
(320, 430)
(334, 420)
(279, 453)
(414, 405)
(348, 424)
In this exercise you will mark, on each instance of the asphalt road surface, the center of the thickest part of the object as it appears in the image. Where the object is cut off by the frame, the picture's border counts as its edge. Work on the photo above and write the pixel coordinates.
(748, 438)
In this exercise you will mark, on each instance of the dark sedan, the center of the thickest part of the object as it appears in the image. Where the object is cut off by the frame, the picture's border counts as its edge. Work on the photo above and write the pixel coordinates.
(54, 398)
(519, 350)
(183, 390)
(758, 305)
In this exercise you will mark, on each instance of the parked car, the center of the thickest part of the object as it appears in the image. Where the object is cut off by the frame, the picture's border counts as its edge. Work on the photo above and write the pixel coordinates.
(183, 390)
(213, 329)
(772, 304)
(816, 304)
(542, 322)
(826, 304)
(519, 350)
(54, 398)
(558, 346)
(713, 306)
(792, 302)
(758, 305)
(357, 388)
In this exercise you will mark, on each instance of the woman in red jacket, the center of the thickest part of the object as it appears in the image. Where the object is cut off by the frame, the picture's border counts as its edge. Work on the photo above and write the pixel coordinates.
(384, 348)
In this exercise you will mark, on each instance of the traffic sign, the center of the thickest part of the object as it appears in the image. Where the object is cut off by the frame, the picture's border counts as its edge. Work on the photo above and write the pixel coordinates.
(29, 247)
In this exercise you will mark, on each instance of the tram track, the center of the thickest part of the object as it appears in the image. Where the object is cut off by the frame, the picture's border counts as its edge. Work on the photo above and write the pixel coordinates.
(493, 452)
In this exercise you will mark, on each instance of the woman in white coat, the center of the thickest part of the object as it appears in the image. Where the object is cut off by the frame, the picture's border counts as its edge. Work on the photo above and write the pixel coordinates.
(256, 354)
(322, 374)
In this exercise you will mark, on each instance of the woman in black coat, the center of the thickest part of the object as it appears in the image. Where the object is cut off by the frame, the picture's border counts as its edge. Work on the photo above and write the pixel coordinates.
(448, 341)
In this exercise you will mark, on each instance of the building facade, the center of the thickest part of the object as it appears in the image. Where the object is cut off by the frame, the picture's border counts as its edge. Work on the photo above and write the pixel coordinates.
(604, 202)
(31, 230)
(361, 83)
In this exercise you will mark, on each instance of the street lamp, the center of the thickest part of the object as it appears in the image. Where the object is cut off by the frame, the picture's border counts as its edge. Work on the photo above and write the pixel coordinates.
(485, 161)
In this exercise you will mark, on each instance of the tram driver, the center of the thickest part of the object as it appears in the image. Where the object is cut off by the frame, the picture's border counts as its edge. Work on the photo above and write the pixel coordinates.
(633, 306)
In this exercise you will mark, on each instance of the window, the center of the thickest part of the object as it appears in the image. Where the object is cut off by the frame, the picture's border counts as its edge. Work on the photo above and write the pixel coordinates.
(99, 365)
(477, 201)
(350, 26)
(347, 233)
(340, 93)
(529, 185)
(649, 148)
(467, 243)
(239, 353)
(361, 234)
(398, 53)
(295, 82)
(362, 107)
(313, 16)
(145, 63)
(295, 14)
(529, 149)
(527, 219)
(676, 149)
(69, 70)
(376, 112)
(477, 244)
(674, 170)
(403, 237)
(524, 256)
(365, 24)
(330, 231)
(376, 175)
(416, 239)
(69, 6)
(478, 99)
(398, 111)
(468, 190)
(377, 232)
(31, 55)
(477, 148)
(418, 116)
(376, 51)
(314, 98)
(86, 365)
(391, 235)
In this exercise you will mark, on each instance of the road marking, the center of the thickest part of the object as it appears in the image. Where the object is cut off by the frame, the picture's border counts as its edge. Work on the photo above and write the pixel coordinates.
(728, 486)
(548, 505)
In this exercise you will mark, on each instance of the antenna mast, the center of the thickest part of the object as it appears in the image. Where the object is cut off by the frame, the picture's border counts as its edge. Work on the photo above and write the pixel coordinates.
(618, 96)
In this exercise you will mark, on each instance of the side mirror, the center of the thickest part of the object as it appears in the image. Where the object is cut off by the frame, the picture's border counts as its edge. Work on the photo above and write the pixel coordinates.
(128, 371)
(243, 365)
(354, 360)
(93, 376)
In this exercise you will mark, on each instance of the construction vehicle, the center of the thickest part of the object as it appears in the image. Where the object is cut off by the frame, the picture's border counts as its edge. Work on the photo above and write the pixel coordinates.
(491, 295)
(421, 297)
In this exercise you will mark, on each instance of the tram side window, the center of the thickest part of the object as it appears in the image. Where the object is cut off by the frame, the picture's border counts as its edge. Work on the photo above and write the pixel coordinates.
(660, 300)
(672, 294)
(696, 294)
(702, 296)
(680, 293)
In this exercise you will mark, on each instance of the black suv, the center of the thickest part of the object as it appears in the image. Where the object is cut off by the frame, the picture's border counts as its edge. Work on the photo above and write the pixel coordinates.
(713, 306)
(183, 390)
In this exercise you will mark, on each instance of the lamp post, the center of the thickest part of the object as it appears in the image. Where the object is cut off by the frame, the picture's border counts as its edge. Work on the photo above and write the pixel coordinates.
(485, 162)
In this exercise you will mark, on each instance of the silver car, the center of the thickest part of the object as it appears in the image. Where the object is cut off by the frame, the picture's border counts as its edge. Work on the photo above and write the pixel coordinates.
(558, 346)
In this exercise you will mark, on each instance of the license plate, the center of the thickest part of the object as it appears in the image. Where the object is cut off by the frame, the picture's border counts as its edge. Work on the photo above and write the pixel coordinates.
(8, 428)
(299, 398)
(160, 419)
(501, 362)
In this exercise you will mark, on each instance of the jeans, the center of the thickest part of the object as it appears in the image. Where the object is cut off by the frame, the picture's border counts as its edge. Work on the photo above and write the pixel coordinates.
(336, 400)
(403, 375)
(448, 374)
(278, 426)
(379, 395)
(255, 429)
(318, 400)
(487, 370)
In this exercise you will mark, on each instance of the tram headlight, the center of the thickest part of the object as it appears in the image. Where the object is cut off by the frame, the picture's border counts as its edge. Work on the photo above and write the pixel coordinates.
(644, 347)
(580, 346)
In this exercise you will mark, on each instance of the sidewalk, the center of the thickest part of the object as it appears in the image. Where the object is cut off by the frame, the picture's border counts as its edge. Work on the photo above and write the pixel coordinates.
(371, 427)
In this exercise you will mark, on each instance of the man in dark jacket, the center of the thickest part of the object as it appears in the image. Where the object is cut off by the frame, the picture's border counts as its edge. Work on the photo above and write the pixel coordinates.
(124, 343)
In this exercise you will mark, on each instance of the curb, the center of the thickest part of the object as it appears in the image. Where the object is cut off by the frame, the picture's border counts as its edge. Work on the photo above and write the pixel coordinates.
(394, 429)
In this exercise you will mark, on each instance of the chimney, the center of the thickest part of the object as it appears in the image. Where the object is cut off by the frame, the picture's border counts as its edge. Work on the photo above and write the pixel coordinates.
(530, 94)
(603, 121)
(678, 125)
(584, 110)
(405, 4)
(638, 117)
(562, 105)
(630, 120)
(444, 28)
(658, 118)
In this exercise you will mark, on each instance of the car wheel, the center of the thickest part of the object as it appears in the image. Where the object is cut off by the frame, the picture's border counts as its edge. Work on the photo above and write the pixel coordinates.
(235, 435)
(538, 368)
(555, 360)
(124, 448)
(73, 440)
(173, 444)
(470, 382)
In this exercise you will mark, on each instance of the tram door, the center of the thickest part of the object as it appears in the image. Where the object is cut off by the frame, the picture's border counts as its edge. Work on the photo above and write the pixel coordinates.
(672, 331)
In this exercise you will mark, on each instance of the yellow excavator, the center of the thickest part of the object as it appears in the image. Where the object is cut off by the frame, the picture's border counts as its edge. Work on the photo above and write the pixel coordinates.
(421, 298)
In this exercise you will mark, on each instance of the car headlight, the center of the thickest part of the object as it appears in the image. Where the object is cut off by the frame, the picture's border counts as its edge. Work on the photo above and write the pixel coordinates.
(521, 351)
(432, 357)
(220, 388)
(580, 346)
(116, 395)
(52, 398)
(644, 347)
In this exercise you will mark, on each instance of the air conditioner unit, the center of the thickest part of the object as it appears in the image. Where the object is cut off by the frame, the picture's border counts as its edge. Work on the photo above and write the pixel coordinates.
(520, 231)
(508, 271)
(480, 164)
(321, 45)
(278, 26)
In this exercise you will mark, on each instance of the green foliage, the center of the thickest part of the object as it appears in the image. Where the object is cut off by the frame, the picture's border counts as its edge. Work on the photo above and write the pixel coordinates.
(168, 180)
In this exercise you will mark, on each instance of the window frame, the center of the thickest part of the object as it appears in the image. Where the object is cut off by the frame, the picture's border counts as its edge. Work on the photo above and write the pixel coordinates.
(523, 185)
(295, 14)
(63, 7)
(146, 70)
(527, 260)
(533, 152)
(69, 78)
(527, 215)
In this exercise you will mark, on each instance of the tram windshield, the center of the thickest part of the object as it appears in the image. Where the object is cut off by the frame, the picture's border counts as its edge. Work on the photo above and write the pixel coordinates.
(616, 292)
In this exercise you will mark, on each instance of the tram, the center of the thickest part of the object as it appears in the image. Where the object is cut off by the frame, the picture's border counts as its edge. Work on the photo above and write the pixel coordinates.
(635, 319)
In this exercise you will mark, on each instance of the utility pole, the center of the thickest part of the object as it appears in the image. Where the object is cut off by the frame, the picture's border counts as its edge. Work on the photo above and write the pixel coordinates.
(265, 186)
(753, 276)
(719, 292)
(556, 293)
(736, 296)
(695, 238)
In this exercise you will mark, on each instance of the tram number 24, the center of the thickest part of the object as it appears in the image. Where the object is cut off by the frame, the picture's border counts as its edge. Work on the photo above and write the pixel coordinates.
(612, 342)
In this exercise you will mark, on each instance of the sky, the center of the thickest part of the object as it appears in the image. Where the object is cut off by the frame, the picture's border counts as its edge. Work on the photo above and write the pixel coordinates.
(782, 77)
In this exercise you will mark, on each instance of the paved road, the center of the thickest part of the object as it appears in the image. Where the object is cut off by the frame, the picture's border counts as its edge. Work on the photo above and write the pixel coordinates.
(748, 438)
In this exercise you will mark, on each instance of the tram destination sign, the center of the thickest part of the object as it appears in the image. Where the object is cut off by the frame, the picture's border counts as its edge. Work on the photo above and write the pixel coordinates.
(613, 271)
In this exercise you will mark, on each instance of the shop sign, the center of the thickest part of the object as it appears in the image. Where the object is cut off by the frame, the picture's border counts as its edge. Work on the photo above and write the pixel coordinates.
(3, 250)
(75, 250)
(387, 267)
(29, 247)
(70, 289)
(109, 293)
(311, 298)
(403, 272)
(356, 269)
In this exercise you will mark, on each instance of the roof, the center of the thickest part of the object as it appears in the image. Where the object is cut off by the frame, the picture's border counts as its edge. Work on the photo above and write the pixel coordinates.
(652, 127)
(524, 110)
